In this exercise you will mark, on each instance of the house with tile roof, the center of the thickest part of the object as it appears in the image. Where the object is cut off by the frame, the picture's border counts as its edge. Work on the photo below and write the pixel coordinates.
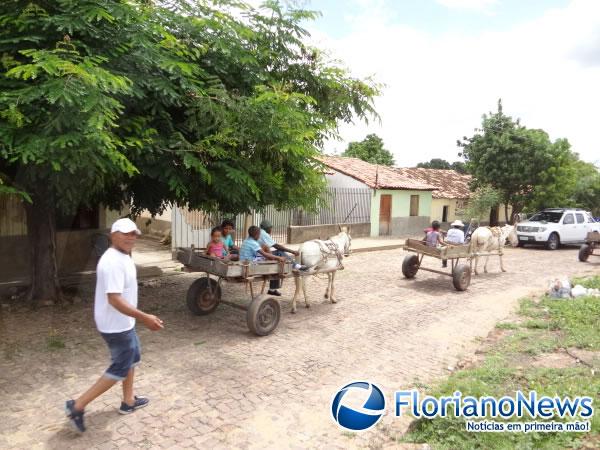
(450, 198)
(399, 205)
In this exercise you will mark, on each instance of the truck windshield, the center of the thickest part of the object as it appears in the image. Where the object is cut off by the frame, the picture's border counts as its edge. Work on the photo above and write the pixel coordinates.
(546, 216)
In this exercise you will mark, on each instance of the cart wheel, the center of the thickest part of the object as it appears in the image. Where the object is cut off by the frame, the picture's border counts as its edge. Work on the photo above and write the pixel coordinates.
(203, 299)
(263, 315)
(461, 277)
(410, 266)
(584, 252)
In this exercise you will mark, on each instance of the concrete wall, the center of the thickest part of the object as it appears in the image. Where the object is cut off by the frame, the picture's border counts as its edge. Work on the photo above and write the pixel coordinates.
(402, 222)
(340, 180)
(154, 227)
(437, 209)
(74, 253)
(299, 234)
(74, 250)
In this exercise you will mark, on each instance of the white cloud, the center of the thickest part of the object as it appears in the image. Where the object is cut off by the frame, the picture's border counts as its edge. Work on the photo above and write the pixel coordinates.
(478, 5)
(439, 86)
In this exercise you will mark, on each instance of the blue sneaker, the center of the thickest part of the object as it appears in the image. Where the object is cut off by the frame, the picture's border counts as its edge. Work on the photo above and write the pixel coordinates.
(75, 417)
(140, 402)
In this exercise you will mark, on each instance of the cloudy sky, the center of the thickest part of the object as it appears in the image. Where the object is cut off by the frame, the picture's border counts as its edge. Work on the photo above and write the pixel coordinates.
(446, 62)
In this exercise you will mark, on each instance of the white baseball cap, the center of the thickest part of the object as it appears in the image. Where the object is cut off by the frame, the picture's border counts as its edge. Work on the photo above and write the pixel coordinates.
(125, 225)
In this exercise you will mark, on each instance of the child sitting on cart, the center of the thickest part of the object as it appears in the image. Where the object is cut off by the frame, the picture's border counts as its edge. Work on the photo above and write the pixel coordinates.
(215, 247)
(251, 249)
(231, 250)
(434, 238)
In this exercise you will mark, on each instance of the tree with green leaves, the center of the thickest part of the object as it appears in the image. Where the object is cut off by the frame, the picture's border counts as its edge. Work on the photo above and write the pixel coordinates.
(439, 163)
(370, 149)
(215, 106)
(515, 160)
(481, 202)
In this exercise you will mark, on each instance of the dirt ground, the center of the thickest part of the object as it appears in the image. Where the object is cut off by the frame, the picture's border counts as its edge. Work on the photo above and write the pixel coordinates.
(212, 384)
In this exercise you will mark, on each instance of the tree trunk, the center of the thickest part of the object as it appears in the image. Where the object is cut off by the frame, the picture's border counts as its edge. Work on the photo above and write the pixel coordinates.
(506, 218)
(494, 217)
(41, 230)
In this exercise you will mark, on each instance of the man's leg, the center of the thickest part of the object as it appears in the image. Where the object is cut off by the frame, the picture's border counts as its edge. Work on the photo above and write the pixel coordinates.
(128, 388)
(100, 387)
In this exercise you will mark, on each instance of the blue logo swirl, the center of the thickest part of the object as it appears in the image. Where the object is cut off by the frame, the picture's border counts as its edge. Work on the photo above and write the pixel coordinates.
(358, 418)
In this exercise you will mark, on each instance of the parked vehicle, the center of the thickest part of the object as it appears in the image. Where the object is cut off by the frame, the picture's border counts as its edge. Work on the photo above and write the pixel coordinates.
(556, 226)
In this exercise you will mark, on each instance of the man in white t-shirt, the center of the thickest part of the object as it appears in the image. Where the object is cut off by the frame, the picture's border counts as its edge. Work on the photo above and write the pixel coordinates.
(455, 235)
(115, 313)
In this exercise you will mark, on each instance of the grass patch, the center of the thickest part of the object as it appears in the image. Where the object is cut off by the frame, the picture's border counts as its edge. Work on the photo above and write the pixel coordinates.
(55, 343)
(550, 325)
(507, 326)
(591, 282)
(200, 343)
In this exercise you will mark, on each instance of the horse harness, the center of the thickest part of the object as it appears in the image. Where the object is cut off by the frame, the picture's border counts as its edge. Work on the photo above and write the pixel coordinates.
(331, 247)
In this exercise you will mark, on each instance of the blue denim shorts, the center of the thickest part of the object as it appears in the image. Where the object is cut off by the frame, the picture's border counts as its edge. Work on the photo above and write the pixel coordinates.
(125, 353)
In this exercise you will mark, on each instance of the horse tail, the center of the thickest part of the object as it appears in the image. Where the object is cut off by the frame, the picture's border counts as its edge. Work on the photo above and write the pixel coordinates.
(300, 254)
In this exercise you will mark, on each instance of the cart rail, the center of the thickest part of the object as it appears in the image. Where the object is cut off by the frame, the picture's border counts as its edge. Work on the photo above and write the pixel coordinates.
(196, 261)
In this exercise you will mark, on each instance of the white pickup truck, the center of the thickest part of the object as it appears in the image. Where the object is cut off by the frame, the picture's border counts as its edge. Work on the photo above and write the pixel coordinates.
(553, 227)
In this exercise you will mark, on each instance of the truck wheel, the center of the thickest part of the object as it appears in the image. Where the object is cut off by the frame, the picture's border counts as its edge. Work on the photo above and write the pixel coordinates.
(553, 242)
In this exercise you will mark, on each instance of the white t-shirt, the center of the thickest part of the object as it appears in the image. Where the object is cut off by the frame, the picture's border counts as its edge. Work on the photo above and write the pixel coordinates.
(115, 274)
(455, 236)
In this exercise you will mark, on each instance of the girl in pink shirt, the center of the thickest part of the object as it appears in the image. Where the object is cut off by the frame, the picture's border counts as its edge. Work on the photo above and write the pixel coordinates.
(215, 246)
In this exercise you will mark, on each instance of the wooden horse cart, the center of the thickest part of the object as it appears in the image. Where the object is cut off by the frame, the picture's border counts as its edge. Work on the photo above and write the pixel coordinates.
(460, 272)
(592, 243)
(263, 311)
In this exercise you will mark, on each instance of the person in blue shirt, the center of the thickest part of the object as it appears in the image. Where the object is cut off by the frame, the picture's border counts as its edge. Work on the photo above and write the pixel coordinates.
(231, 250)
(251, 250)
(267, 242)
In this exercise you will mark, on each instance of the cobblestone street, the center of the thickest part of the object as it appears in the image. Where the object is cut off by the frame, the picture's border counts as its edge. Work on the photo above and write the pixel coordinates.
(213, 384)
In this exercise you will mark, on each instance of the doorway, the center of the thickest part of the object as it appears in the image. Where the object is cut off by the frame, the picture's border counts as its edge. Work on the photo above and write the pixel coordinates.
(385, 215)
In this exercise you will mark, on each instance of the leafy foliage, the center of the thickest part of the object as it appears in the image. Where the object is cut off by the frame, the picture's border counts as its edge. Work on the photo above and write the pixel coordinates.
(370, 149)
(438, 163)
(480, 203)
(210, 105)
(519, 162)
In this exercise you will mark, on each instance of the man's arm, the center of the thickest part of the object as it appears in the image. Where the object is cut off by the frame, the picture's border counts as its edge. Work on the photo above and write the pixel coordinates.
(271, 256)
(120, 304)
(285, 249)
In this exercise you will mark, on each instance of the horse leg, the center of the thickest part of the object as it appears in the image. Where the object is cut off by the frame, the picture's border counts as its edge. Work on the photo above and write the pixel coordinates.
(328, 284)
(296, 293)
(476, 262)
(487, 258)
(303, 282)
(331, 292)
(501, 264)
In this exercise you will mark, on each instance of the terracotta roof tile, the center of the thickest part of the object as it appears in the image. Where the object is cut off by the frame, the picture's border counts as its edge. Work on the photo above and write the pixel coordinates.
(374, 176)
(449, 183)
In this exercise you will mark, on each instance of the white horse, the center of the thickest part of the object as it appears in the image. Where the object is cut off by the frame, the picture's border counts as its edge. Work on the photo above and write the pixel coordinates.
(322, 257)
(487, 239)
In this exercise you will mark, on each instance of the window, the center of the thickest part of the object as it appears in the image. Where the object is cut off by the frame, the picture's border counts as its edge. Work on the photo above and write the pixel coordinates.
(568, 220)
(580, 218)
(445, 213)
(546, 216)
(414, 205)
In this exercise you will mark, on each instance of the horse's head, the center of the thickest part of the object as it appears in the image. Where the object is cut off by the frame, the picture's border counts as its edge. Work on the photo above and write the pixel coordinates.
(347, 244)
(344, 241)
(510, 232)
